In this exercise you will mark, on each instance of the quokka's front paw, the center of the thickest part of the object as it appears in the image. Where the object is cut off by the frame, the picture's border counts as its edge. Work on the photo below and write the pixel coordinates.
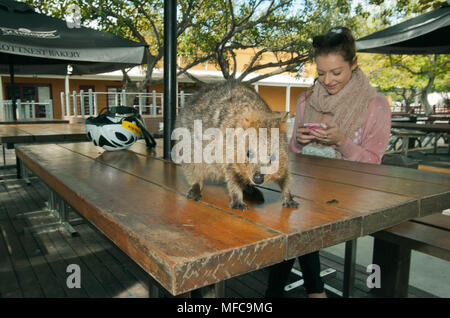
(290, 204)
(194, 193)
(238, 205)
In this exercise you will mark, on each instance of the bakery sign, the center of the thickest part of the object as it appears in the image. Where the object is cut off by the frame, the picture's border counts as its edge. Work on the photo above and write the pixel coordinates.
(29, 33)
(41, 52)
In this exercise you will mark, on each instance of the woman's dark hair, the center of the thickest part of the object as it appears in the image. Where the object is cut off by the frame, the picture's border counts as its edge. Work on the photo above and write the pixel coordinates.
(336, 40)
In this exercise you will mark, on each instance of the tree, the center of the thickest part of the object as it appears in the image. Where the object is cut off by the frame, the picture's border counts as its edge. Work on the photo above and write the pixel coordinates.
(278, 33)
(139, 20)
(215, 30)
(431, 67)
(396, 82)
(404, 74)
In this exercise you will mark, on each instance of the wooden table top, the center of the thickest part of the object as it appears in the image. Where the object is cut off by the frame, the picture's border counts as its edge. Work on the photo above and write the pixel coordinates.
(34, 121)
(49, 132)
(138, 201)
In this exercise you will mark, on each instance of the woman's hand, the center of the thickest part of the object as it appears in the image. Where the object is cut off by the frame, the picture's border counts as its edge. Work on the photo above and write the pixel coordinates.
(331, 136)
(304, 136)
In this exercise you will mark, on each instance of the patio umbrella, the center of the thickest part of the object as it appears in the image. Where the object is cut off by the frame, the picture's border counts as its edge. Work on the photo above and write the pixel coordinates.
(33, 43)
(424, 34)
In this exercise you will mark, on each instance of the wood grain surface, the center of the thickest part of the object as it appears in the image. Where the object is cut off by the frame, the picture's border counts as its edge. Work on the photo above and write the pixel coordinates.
(139, 201)
(49, 132)
(183, 244)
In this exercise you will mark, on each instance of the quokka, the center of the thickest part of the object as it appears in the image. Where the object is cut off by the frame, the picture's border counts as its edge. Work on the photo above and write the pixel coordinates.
(233, 105)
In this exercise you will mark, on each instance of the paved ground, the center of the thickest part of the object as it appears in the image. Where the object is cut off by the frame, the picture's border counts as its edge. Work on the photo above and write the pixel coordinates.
(427, 273)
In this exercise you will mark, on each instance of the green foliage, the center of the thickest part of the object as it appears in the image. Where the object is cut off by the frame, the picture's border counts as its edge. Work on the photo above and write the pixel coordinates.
(418, 73)
(214, 30)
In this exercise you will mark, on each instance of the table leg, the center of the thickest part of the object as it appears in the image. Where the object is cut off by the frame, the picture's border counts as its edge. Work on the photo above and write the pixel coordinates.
(212, 291)
(24, 171)
(405, 145)
(349, 268)
(4, 155)
(153, 288)
(18, 168)
(300, 282)
(394, 262)
(436, 139)
(59, 208)
(64, 216)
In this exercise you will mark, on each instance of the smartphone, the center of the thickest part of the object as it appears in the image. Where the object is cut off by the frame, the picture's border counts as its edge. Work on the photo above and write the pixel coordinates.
(315, 126)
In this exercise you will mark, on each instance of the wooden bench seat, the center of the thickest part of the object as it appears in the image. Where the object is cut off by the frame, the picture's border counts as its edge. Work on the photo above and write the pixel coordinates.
(406, 135)
(420, 235)
(392, 250)
(392, 247)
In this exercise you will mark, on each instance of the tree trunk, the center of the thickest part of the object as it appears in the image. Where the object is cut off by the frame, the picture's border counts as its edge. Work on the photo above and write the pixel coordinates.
(133, 88)
(408, 95)
(424, 95)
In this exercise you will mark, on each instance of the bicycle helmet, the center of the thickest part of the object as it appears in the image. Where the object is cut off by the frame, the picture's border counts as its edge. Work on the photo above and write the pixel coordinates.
(117, 128)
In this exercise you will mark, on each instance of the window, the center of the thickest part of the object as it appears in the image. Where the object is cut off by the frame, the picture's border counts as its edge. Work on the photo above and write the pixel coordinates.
(114, 99)
(85, 89)
(27, 93)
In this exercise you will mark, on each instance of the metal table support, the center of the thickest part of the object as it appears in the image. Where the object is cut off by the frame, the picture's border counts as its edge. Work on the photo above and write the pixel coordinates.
(349, 268)
(55, 206)
(212, 291)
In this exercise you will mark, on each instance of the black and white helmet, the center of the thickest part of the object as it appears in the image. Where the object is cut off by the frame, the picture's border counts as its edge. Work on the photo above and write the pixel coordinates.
(118, 128)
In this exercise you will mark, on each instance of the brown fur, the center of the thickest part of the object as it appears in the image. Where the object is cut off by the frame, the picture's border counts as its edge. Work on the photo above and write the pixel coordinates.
(231, 105)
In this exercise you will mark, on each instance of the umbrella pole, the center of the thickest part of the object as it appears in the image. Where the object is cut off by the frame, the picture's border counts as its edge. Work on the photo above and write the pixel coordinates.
(13, 97)
(170, 75)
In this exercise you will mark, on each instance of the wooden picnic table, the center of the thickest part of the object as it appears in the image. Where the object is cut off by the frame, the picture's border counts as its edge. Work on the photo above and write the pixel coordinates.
(139, 202)
(34, 132)
(34, 121)
(29, 133)
(413, 130)
(429, 128)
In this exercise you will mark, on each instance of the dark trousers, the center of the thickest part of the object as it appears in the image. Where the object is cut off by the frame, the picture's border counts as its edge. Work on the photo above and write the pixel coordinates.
(310, 266)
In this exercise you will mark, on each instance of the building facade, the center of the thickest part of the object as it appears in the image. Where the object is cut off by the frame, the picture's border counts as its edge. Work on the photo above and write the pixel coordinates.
(280, 91)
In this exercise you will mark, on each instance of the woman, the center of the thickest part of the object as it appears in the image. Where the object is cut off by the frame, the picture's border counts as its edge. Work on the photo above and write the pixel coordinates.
(357, 121)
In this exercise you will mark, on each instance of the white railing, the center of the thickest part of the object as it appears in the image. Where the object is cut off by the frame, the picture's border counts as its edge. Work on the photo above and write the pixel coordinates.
(27, 110)
(85, 103)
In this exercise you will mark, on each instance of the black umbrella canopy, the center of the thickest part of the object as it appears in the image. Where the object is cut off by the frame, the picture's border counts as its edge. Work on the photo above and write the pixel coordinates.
(38, 44)
(428, 33)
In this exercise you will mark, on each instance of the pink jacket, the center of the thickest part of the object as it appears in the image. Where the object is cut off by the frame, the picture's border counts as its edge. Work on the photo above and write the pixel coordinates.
(370, 140)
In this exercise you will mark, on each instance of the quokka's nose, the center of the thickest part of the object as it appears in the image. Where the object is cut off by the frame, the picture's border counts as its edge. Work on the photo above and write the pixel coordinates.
(258, 178)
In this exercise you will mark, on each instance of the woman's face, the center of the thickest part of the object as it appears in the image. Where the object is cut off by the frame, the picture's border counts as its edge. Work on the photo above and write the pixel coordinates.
(334, 72)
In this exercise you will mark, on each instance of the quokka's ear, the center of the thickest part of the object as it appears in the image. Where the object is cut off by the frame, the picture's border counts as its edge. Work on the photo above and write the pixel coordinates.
(278, 119)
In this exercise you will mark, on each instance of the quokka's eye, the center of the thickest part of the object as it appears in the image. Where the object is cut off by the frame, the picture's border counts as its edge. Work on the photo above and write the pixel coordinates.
(250, 154)
(273, 157)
